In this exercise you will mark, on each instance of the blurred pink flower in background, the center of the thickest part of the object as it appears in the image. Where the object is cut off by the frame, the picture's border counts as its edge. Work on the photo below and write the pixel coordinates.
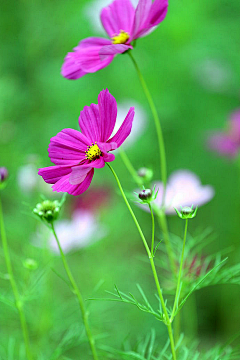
(184, 188)
(227, 143)
(123, 24)
(76, 154)
(82, 230)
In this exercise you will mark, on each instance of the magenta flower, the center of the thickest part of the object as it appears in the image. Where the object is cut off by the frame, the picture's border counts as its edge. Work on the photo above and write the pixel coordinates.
(76, 154)
(123, 25)
(227, 143)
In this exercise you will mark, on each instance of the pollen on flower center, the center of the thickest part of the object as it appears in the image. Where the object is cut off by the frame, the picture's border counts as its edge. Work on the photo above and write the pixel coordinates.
(121, 38)
(93, 152)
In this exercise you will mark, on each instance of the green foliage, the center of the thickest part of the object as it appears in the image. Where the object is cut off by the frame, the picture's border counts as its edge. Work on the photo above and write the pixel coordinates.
(120, 296)
(149, 348)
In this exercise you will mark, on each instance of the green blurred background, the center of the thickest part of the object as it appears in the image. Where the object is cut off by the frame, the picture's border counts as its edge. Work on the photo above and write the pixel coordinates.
(191, 64)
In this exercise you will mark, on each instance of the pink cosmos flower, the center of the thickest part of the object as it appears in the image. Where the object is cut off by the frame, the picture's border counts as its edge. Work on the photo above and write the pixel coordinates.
(123, 24)
(83, 229)
(227, 143)
(76, 153)
(184, 188)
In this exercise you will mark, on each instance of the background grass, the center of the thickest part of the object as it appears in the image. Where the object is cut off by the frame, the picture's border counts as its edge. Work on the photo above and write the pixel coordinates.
(191, 63)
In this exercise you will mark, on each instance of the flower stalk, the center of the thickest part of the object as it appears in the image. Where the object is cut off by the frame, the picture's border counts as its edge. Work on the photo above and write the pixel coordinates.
(177, 295)
(162, 152)
(18, 301)
(167, 319)
(76, 291)
(159, 213)
(153, 230)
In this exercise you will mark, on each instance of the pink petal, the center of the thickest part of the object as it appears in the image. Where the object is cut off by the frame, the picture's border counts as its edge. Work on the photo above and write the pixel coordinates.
(118, 16)
(80, 172)
(105, 147)
(85, 58)
(124, 129)
(113, 49)
(108, 157)
(52, 174)
(68, 147)
(63, 185)
(92, 41)
(71, 68)
(141, 15)
(148, 15)
(89, 122)
(90, 60)
(108, 114)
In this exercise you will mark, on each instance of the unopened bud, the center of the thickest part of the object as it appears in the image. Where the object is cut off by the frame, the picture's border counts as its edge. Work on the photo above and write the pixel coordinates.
(30, 264)
(187, 212)
(145, 194)
(48, 210)
(145, 173)
(3, 177)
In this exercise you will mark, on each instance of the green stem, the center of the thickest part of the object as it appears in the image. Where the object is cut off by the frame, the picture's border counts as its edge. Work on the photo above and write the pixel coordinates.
(180, 273)
(18, 302)
(164, 226)
(159, 212)
(79, 297)
(162, 152)
(153, 226)
(167, 319)
(130, 167)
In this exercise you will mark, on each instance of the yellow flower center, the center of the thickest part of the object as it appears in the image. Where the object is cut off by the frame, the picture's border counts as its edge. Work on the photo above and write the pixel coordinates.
(93, 152)
(121, 38)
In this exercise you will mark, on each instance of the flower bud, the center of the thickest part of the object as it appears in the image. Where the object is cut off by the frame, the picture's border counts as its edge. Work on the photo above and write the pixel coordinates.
(145, 194)
(30, 264)
(3, 177)
(187, 212)
(3, 174)
(145, 173)
(47, 210)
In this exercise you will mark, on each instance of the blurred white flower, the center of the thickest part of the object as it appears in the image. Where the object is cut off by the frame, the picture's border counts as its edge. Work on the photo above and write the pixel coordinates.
(82, 230)
(184, 188)
(214, 75)
(28, 179)
(92, 12)
(139, 123)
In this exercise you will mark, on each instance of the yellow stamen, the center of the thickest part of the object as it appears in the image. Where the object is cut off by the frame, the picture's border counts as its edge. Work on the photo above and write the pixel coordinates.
(121, 38)
(93, 152)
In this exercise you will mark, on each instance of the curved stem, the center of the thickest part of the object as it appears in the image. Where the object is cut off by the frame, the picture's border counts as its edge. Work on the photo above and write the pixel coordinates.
(18, 302)
(167, 319)
(159, 212)
(78, 295)
(180, 273)
(162, 152)
(130, 167)
(153, 226)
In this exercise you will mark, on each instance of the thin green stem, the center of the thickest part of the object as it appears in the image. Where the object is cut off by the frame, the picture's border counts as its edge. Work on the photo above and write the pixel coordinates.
(167, 319)
(130, 167)
(159, 212)
(162, 152)
(164, 226)
(76, 291)
(180, 273)
(18, 302)
(153, 229)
